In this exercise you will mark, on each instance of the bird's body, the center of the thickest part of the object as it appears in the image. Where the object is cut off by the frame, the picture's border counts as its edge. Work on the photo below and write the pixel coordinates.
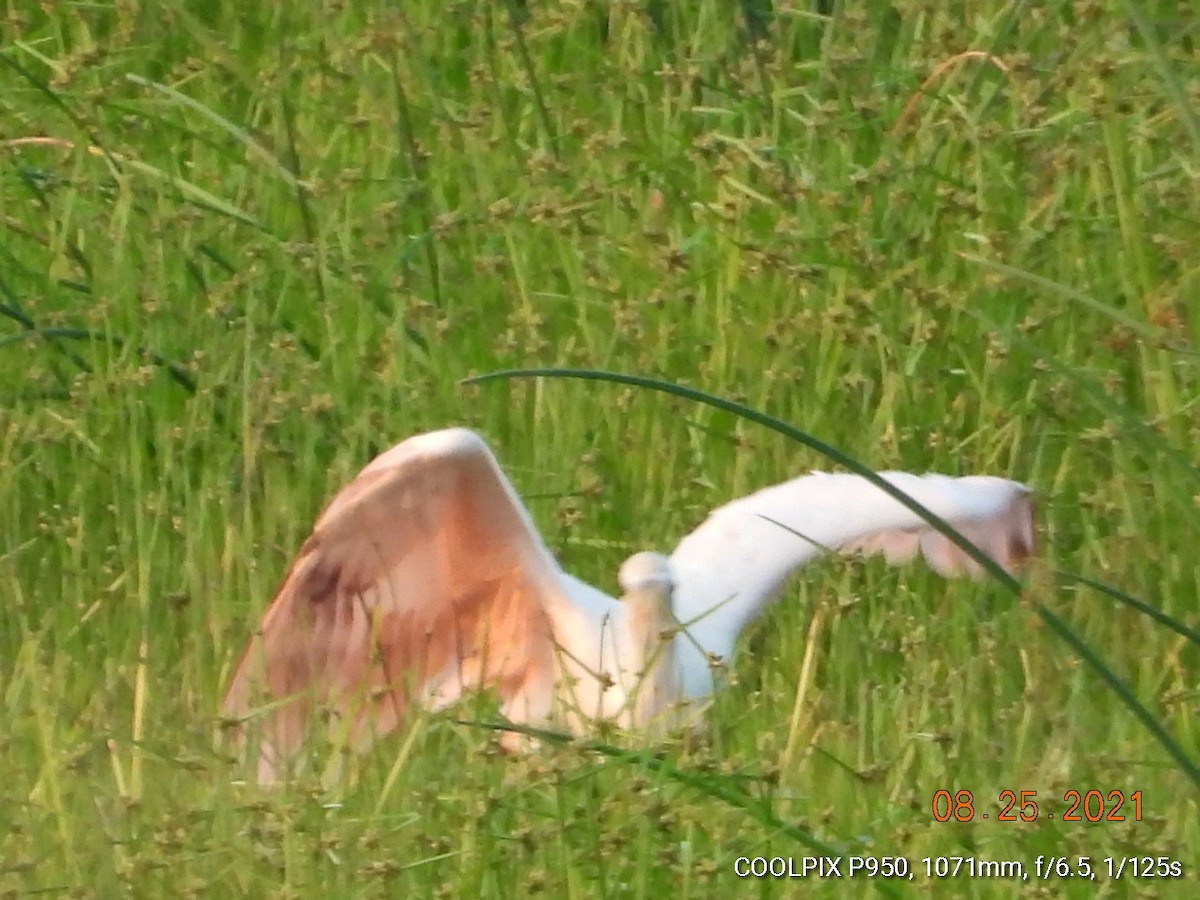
(425, 578)
(647, 655)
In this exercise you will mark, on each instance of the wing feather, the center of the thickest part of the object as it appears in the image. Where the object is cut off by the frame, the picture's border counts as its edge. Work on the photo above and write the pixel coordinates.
(423, 577)
(1006, 534)
(738, 559)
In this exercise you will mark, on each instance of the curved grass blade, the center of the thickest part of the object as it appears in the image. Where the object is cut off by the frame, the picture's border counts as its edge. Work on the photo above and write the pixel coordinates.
(1082, 649)
(240, 135)
(196, 194)
(1122, 690)
(1140, 605)
(778, 425)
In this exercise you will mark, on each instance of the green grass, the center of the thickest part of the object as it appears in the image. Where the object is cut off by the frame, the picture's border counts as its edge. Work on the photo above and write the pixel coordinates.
(269, 240)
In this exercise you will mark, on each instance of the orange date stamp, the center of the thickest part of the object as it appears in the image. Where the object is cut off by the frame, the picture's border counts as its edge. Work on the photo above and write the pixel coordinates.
(1024, 806)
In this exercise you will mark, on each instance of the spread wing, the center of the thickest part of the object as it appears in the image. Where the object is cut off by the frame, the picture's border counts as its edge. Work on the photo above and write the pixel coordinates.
(1000, 523)
(423, 577)
(738, 560)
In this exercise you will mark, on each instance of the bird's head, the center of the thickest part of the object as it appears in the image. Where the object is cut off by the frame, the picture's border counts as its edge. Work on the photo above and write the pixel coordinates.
(645, 570)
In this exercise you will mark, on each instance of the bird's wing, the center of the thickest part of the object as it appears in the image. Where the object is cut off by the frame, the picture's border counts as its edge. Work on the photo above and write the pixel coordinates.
(423, 576)
(994, 514)
(738, 559)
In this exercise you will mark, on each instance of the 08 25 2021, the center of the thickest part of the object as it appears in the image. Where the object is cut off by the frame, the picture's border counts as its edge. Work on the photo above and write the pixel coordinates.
(1082, 805)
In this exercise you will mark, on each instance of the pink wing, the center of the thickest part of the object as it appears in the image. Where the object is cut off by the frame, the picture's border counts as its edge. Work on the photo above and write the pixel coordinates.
(423, 577)
(1006, 534)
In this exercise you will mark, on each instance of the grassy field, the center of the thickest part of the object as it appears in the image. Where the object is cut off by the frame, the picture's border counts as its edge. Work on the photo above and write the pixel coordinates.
(245, 246)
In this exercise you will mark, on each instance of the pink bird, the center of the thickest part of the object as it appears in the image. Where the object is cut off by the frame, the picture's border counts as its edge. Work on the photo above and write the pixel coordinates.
(425, 579)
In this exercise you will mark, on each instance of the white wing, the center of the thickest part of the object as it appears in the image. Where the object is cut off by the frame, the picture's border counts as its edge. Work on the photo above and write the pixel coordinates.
(737, 561)
(424, 576)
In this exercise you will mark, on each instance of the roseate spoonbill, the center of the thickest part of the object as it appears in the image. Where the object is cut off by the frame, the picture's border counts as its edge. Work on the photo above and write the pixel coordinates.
(425, 578)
